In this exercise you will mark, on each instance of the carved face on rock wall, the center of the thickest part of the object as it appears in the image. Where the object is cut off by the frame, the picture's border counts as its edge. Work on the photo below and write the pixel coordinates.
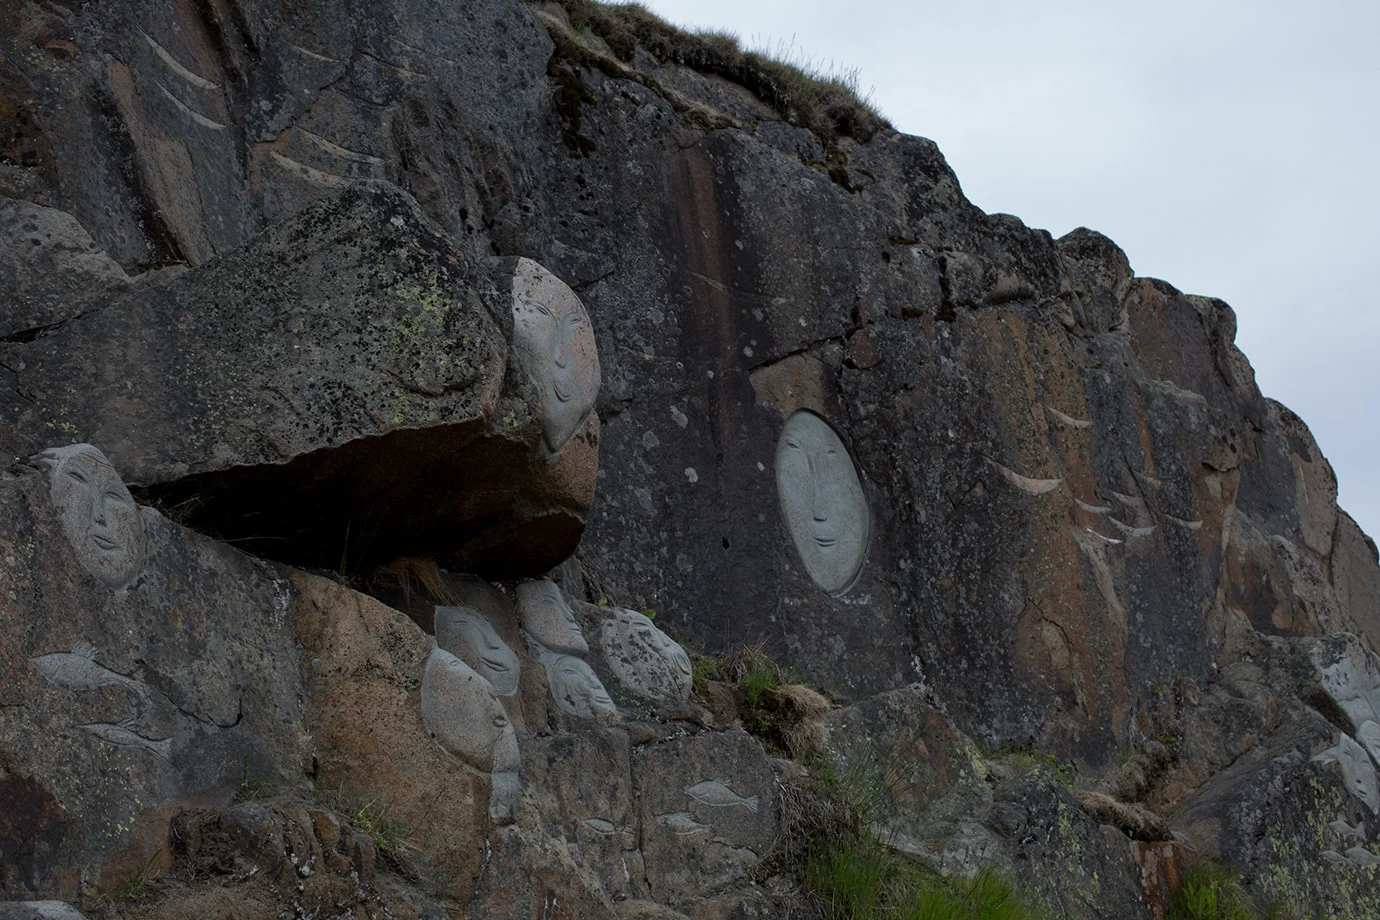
(468, 635)
(554, 343)
(822, 501)
(576, 689)
(461, 711)
(548, 619)
(99, 516)
(645, 660)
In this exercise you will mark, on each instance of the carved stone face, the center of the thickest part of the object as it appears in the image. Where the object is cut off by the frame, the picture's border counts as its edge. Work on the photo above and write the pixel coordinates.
(823, 502)
(467, 634)
(460, 709)
(98, 514)
(547, 618)
(645, 660)
(576, 689)
(554, 343)
(1358, 772)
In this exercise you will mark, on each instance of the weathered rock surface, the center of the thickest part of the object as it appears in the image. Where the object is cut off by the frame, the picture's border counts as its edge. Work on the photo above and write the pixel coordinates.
(124, 705)
(1044, 487)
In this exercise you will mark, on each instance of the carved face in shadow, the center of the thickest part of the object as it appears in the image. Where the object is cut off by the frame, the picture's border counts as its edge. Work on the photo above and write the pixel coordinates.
(461, 711)
(99, 516)
(645, 660)
(576, 689)
(823, 502)
(467, 634)
(554, 343)
(547, 618)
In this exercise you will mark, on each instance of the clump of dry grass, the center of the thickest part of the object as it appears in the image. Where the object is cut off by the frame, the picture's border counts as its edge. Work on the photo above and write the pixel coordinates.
(827, 103)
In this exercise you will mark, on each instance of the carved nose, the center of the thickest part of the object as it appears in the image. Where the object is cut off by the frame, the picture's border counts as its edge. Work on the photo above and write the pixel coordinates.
(98, 511)
(817, 505)
(562, 356)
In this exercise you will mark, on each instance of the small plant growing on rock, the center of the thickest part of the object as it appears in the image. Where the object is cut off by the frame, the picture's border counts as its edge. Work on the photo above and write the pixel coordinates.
(138, 886)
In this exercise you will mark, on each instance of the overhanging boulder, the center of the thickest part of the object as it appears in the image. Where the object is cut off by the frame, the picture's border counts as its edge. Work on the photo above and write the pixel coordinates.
(339, 391)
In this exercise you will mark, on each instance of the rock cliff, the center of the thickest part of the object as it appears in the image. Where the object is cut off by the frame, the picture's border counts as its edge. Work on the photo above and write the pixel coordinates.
(417, 347)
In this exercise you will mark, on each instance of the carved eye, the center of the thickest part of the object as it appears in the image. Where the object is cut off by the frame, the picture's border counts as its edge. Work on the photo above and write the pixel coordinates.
(575, 319)
(793, 444)
(73, 474)
(500, 721)
(543, 309)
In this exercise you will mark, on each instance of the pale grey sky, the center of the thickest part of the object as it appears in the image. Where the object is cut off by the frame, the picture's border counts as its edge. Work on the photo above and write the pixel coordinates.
(1231, 147)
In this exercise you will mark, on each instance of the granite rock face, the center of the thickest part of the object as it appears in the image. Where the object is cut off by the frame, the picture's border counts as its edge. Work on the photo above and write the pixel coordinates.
(341, 285)
(306, 394)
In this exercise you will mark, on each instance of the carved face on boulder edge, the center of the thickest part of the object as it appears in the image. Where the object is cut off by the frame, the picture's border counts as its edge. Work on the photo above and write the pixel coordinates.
(822, 501)
(554, 344)
(645, 660)
(548, 619)
(460, 709)
(468, 635)
(99, 516)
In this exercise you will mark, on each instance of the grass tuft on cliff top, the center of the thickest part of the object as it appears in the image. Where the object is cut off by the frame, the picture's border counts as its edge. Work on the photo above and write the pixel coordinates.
(827, 103)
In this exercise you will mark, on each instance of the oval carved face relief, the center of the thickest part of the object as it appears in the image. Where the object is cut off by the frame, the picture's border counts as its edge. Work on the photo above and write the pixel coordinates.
(822, 501)
(554, 343)
(98, 514)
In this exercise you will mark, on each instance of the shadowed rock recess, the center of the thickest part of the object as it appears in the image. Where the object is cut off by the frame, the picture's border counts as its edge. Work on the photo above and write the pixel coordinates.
(397, 399)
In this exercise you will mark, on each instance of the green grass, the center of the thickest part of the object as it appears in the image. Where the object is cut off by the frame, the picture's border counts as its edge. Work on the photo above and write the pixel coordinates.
(138, 886)
(374, 818)
(1211, 891)
(860, 879)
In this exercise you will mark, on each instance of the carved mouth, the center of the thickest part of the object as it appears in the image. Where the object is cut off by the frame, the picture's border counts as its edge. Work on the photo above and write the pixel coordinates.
(494, 663)
(103, 543)
(562, 395)
(826, 542)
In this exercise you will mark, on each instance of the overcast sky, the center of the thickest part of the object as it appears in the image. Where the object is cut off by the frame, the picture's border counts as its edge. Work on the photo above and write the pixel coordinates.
(1230, 147)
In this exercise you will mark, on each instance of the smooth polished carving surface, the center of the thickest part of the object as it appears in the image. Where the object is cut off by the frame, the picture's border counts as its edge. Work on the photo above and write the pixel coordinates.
(547, 618)
(461, 710)
(645, 660)
(554, 343)
(98, 514)
(823, 502)
(575, 688)
(467, 634)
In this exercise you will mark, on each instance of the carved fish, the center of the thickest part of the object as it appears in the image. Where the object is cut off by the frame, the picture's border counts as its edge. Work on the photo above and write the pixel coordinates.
(123, 736)
(600, 826)
(1104, 538)
(1346, 830)
(682, 823)
(1130, 531)
(716, 794)
(1092, 509)
(1025, 483)
(1362, 857)
(1068, 419)
(78, 670)
(1332, 856)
